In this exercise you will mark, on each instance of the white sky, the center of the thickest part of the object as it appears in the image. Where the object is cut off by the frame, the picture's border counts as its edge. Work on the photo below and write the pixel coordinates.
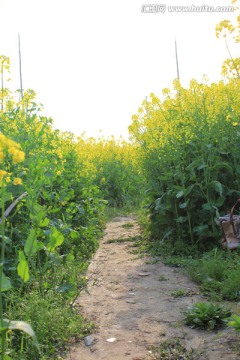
(92, 63)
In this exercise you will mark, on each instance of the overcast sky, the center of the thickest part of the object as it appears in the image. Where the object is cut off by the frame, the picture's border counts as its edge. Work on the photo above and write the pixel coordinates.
(92, 63)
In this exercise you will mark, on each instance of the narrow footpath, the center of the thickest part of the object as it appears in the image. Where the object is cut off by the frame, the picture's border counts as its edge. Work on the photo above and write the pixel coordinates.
(130, 300)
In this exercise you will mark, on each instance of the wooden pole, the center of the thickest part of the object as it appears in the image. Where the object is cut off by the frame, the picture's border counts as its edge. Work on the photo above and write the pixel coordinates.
(20, 67)
(177, 60)
(2, 86)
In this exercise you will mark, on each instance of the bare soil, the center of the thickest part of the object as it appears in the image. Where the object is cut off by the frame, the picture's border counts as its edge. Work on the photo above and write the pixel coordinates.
(130, 301)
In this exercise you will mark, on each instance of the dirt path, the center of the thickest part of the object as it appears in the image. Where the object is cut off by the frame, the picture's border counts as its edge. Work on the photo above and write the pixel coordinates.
(131, 303)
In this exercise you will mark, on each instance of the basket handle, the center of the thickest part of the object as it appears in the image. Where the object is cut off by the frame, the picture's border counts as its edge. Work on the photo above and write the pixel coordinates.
(233, 209)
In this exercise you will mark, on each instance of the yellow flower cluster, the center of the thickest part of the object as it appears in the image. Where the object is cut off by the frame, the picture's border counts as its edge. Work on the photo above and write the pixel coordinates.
(224, 25)
(9, 147)
(179, 119)
(17, 181)
(2, 174)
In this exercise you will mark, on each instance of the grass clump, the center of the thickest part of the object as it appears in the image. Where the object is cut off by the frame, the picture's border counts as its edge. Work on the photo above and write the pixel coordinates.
(235, 322)
(174, 350)
(128, 225)
(162, 278)
(135, 239)
(217, 273)
(206, 315)
(179, 293)
(54, 321)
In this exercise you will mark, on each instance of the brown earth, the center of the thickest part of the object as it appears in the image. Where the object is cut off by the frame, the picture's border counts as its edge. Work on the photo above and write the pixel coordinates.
(131, 304)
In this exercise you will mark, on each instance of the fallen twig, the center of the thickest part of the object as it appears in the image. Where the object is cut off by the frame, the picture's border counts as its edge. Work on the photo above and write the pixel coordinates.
(9, 209)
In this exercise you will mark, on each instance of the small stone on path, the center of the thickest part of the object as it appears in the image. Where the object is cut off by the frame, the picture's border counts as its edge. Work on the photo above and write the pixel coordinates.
(111, 340)
(88, 340)
(144, 273)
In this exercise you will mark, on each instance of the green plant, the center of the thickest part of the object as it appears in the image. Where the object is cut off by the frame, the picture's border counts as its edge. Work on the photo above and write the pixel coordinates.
(128, 225)
(119, 240)
(174, 350)
(152, 261)
(235, 322)
(212, 289)
(49, 234)
(230, 287)
(206, 315)
(187, 160)
(179, 293)
(217, 274)
(54, 320)
(162, 278)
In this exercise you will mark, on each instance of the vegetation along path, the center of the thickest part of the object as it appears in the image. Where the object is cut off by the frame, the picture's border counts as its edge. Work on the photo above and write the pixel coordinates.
(131, 301)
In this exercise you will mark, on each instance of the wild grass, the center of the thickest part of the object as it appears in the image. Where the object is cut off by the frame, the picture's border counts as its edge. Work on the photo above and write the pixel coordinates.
(173, 349)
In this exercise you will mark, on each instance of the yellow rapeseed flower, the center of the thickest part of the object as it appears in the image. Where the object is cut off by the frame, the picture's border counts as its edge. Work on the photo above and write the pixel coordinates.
(2, 174)
(17, 181)
(18, 156)
(1, 157)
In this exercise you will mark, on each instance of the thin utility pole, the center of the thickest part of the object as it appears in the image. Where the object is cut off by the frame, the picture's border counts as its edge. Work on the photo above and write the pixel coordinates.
(177, 59)
(2, 86)
(146, 108)
(20, 67)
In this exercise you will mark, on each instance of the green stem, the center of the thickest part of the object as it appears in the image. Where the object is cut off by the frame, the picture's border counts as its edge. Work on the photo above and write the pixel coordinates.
(190, 226)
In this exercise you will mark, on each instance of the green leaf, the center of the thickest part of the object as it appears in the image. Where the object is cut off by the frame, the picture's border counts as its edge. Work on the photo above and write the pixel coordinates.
(45, 222)
(56, 238)
(31, 245)
(217, 186)
(238, 169)
(23, 269)
(67, 289)
(223, 165)
(189, 189)
(201, 229)
(181, 219)
(202, 166)
(74, 234)
(5, 283)
(207, 206)
(235, 322)
(7, 240)
(180, 194)
(184, 205)
(23, 326)
(38, 213)
(219, 201)
(70, 257)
